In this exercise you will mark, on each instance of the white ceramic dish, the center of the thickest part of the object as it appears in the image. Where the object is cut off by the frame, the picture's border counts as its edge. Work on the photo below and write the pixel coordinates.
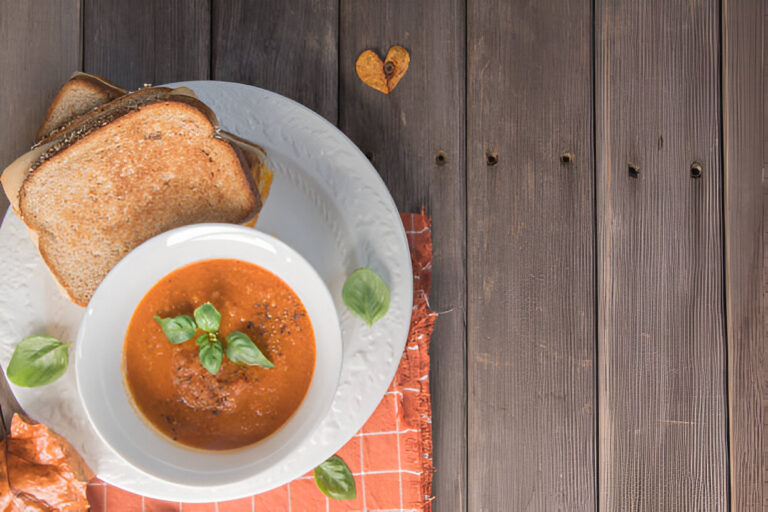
(99, 347)
(329, 204)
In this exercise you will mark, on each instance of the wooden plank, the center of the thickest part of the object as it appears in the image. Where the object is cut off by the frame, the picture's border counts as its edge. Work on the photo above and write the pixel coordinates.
(154, 42)
(661, 372)
(746, 232)
(41, 48)
(287, 47)
(404, 134)
(531, 318)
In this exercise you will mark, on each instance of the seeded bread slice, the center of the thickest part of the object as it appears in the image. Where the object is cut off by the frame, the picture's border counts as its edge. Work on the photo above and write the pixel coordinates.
(80, 94)
(101, 91)
(109, 188)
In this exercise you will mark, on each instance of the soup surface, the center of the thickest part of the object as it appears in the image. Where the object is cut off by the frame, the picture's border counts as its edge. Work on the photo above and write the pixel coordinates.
(240, 405)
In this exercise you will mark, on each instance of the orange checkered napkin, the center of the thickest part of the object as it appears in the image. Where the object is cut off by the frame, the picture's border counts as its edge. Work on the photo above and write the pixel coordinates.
(390, 457)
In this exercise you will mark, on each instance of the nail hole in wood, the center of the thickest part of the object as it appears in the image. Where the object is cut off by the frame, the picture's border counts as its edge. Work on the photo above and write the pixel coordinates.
(566, 158)
(491, 159)
(369, 156)
(441, 158)
(634, 171)
(389, 68)
(696, 170)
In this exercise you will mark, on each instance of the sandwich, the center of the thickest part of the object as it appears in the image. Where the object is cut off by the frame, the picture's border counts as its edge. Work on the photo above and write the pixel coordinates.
(82, 95)
(98, 184)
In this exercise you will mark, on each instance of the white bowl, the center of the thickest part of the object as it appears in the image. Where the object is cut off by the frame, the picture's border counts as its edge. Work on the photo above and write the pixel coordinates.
(98, 354)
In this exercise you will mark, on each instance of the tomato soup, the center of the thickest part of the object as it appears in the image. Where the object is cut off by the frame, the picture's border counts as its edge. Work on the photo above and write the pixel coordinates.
(241, 404)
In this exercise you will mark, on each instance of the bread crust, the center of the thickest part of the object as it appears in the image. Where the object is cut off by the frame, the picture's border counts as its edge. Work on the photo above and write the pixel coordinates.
(99, 87)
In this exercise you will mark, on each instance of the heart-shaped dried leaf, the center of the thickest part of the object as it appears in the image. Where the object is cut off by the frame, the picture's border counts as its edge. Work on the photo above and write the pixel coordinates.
(383, 76)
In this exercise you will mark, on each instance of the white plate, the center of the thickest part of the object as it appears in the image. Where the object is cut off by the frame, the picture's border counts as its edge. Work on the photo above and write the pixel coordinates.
(328, 203)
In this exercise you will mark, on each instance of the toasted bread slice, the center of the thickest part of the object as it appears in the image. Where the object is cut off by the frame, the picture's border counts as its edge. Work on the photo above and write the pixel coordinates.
(77, 128)
(98, 191)
(100, 92)
(80, 94)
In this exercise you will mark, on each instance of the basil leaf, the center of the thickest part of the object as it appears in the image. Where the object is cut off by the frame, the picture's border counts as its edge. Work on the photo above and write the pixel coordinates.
(334, 478)
(207, 318)
(366, 295)
(37, 361)
(240, 349)
(211, 356)
(203, 339)
(178, 329)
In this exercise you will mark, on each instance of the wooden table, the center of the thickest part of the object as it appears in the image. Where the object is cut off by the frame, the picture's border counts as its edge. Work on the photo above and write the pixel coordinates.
(600, 214)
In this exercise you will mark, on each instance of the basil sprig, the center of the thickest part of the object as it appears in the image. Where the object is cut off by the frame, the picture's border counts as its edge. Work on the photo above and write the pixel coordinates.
(240, 348)
(334, 478)
(37, 361)
(366, 295)
(178, 329)
(211, 355)
(207, 318)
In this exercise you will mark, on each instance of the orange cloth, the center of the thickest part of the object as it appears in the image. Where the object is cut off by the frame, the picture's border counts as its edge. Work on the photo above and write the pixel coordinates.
(391, 456)
(40, 470)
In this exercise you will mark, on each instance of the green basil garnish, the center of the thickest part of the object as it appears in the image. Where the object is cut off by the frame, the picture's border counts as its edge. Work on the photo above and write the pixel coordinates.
(334, 478)
(366, 295)
(211, 356)
(207, 318)
(240, 349)
(178, 329)
(37, 361)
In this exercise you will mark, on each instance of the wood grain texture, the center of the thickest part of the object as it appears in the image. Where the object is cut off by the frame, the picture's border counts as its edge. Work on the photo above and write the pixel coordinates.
(746, 231)
(663, 417)
(404, 133)
(290, 48)
(33, 68)
(531, 318)
(157, 41)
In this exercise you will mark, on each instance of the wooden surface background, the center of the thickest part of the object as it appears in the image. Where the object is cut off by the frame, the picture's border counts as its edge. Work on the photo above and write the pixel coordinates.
(531, 258)
(596, 176)
(662, 421)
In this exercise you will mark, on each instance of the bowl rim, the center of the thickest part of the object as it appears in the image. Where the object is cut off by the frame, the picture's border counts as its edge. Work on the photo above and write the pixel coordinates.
(178, 236)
